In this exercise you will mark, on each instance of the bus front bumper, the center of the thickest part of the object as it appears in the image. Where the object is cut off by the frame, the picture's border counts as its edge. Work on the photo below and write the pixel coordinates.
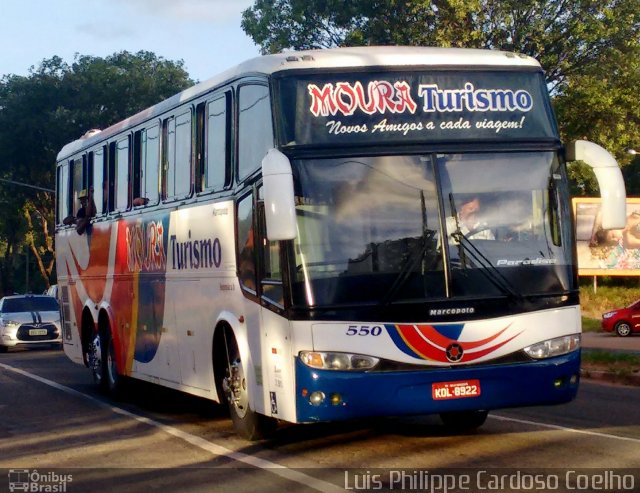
(328, 395)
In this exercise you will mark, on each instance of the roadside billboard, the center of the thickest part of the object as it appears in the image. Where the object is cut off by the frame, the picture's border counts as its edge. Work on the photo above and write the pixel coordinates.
(614, 252)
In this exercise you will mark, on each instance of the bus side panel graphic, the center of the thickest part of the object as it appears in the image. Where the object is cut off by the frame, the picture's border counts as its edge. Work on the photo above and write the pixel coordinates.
(141, 259)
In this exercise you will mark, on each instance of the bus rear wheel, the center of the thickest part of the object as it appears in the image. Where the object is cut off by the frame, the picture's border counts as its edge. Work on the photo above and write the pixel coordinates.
(94, 360)
(464, 420)
(102, 363)
(246, 422)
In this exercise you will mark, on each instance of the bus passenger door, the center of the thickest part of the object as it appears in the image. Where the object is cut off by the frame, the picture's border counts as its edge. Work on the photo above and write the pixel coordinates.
(276, 331)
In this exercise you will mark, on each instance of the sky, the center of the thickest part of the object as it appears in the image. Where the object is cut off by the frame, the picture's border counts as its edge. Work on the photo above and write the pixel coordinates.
(205, 34)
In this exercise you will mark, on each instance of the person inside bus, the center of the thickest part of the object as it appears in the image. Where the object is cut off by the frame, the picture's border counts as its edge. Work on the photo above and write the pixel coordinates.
(87, 210)
(469, 220)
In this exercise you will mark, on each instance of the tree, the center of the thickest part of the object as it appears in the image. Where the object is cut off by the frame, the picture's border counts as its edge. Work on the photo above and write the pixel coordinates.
(589, 49)
(566, 36)
(611, 97)
(56, 104)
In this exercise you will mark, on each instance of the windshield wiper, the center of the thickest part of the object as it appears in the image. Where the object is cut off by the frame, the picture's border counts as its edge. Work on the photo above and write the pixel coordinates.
(407, 269)
(412, 262)
(458, 231)
(487, 268)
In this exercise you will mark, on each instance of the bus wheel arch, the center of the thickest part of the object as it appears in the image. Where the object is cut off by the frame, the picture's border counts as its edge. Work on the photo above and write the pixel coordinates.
(233, 388)
(219, 355)
(463, 421)
(113, 379)
(87, 334)
(101, 357)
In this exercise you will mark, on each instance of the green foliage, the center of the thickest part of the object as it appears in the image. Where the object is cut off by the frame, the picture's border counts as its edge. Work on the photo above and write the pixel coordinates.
(582, 180)
(631, 175)
(603, 105)
(610, 293)
(589, 49)
(55, 104)
(591, 324)
(566, 36)
(607, 357)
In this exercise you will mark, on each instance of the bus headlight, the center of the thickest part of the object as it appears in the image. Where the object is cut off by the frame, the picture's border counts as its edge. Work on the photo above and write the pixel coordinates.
(553, 347)
(337, 361)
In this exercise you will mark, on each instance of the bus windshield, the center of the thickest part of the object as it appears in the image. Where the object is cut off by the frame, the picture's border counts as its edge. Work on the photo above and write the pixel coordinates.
(402, 228)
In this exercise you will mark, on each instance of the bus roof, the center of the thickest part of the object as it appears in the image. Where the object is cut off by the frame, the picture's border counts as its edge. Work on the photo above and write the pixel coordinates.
(338, 58)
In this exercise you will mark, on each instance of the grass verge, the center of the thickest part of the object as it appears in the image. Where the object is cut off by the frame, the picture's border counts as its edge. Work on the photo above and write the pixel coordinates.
(594, 304)
(621, 367)
(591, 324)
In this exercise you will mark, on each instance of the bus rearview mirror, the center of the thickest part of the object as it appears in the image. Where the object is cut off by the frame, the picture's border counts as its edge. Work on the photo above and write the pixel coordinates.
(279, 200)
(610, 181)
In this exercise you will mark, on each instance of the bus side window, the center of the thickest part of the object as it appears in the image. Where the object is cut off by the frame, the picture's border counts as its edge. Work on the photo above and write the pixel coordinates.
(63, 195)
(150, 165)
(199, 154)
(255, 132)
(110, 178)
(216, 172)
(246, 244)
(183, 172)
(176, 173)
(98, 178)
(122, 174)
(168, 156)
(271, 282)
(78, 183)
(136, 170)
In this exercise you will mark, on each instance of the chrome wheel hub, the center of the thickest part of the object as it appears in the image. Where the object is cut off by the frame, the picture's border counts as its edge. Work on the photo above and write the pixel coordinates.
(235, 386)
(95, 358)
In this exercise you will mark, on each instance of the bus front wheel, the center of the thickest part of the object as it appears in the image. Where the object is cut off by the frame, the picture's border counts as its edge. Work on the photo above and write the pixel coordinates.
(246, 422)
(464, 420)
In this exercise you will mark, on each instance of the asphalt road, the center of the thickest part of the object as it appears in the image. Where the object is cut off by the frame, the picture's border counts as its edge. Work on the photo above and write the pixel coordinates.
(54, 422)
(609, 341)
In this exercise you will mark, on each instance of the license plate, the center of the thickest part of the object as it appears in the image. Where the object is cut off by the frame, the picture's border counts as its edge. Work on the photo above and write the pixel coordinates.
(455, 390)
(37, 332)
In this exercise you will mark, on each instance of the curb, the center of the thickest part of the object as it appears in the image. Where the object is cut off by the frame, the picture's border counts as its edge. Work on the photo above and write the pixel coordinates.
(611, 377)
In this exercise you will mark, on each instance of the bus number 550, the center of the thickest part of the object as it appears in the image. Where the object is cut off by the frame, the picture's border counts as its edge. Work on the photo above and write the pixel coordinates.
(364, 330)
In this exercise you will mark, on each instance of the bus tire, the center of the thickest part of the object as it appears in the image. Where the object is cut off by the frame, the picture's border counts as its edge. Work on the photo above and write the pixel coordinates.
(114, 381)
(95, 360)
(246, 422)
(102, 363)
(464, 420)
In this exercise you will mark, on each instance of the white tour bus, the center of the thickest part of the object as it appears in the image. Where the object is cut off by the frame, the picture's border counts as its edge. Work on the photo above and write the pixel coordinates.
(333, 234)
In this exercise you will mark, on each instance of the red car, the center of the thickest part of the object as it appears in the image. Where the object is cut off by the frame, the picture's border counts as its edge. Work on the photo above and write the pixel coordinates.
(624, 321)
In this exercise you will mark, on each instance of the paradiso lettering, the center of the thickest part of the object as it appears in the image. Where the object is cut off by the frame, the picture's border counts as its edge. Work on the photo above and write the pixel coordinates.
(383, 97)
(145, 247)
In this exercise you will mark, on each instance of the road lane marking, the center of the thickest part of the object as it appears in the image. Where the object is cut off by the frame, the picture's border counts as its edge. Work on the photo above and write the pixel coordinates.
(564, 428)
(272, 467)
